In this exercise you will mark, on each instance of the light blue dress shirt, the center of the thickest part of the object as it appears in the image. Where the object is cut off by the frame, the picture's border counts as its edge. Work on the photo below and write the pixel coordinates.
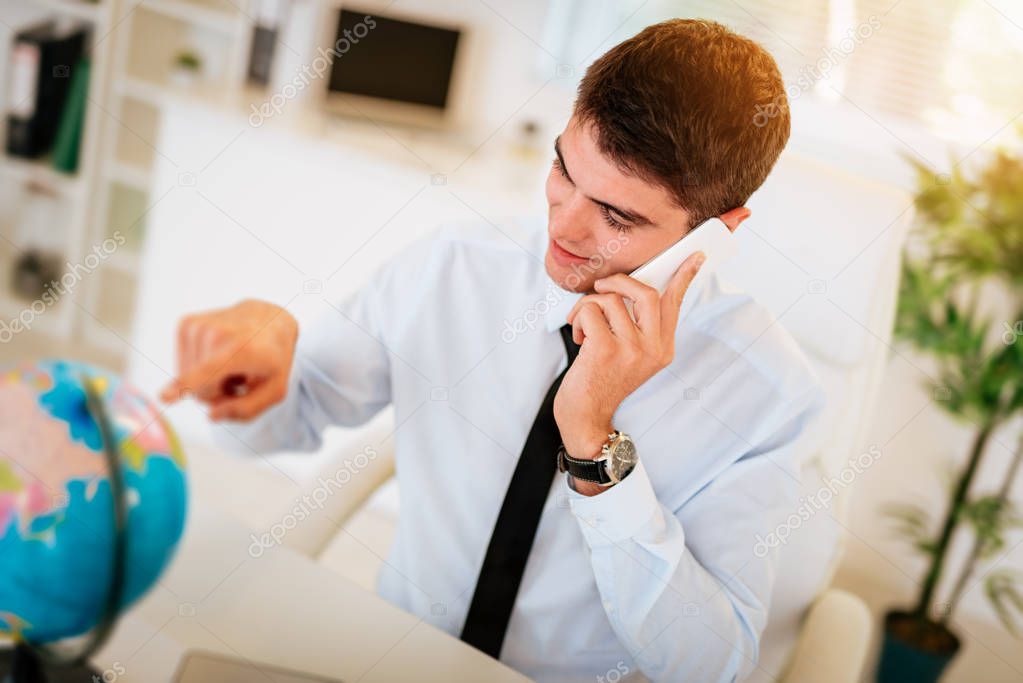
(658, 577)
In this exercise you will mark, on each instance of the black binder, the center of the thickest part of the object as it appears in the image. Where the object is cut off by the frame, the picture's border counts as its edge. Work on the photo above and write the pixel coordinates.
(43, 58)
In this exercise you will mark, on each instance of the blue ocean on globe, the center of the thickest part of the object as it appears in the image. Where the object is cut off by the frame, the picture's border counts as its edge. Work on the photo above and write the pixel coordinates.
(57, 531)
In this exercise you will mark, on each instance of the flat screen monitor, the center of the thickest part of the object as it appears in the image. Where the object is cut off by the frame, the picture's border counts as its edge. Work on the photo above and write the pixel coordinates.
(395, 60)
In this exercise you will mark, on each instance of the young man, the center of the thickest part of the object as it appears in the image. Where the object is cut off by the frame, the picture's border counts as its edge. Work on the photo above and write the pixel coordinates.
(640, 561)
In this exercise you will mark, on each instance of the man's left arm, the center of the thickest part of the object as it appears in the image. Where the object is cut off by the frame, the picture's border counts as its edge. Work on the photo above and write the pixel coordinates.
(687, 591)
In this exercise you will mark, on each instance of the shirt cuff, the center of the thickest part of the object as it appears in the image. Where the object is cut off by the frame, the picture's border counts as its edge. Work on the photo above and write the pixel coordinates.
(618, 513)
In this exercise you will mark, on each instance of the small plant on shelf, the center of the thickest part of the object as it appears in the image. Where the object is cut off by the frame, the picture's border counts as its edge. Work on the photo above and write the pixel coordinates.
(187, 68)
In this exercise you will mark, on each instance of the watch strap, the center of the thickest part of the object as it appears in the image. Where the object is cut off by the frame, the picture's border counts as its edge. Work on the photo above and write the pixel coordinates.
(591, 470)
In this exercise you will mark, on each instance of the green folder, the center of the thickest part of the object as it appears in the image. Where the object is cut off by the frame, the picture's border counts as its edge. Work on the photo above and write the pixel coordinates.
(72, 120)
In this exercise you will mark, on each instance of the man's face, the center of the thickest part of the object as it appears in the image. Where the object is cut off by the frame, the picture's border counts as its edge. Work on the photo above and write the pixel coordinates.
(600, 219)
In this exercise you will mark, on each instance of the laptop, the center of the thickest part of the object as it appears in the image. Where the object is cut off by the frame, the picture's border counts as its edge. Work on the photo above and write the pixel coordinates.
(208, 667)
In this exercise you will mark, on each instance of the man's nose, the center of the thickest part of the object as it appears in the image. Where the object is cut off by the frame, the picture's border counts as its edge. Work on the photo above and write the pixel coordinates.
(571, 226)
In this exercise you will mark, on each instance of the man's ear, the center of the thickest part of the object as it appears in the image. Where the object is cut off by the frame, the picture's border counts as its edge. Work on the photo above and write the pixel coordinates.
(734, 217)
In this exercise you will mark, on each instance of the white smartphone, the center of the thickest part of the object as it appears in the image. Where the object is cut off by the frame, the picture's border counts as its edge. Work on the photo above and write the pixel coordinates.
(712, 237)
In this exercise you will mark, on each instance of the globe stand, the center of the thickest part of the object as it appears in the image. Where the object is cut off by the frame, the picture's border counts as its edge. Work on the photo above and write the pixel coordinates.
(28, 663)
(24, 666)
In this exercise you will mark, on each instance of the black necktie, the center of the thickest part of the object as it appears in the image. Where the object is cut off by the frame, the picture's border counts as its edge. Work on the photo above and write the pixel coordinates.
(505, 561)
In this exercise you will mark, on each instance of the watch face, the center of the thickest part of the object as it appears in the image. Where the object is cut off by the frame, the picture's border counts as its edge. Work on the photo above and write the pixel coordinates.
(623, 458)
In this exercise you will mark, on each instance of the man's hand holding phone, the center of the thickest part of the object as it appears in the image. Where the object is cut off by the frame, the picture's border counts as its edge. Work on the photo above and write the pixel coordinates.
(235, 360)
(619, 353)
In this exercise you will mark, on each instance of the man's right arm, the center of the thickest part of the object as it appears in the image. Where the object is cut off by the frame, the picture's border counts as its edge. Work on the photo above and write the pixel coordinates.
(249, 364)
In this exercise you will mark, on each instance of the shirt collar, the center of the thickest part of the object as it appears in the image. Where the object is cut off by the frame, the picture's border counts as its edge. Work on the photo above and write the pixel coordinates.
(560, 304)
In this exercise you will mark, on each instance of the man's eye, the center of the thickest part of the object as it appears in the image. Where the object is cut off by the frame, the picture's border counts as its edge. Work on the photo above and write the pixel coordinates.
(612, 221)
(560, 168)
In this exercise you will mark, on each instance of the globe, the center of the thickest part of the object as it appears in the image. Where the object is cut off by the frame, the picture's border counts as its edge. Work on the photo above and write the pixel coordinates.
(58, 536)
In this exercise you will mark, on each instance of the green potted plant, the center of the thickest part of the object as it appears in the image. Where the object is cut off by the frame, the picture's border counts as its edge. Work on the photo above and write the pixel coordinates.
(186, 68)
(961, 303)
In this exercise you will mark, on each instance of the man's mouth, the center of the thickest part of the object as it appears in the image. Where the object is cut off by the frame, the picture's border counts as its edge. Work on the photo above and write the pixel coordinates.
(564, 256)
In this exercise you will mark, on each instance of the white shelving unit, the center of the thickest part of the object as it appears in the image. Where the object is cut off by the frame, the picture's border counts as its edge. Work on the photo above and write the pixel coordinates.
(133, 46)
(145, 46)
(23, 171)
(86, 11)
(218, 17)
(22, 179)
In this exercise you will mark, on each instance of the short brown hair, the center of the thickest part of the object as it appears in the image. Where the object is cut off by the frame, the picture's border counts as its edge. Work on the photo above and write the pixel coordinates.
(676, 105)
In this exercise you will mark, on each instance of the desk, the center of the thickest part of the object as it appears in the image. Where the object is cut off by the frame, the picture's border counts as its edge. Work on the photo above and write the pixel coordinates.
(280, 608)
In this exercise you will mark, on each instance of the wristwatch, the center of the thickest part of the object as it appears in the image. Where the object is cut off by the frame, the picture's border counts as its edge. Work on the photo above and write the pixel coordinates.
(617, 458)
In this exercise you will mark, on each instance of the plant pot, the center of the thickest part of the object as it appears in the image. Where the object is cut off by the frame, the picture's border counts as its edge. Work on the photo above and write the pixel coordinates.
(184, 78)
(915, 650)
